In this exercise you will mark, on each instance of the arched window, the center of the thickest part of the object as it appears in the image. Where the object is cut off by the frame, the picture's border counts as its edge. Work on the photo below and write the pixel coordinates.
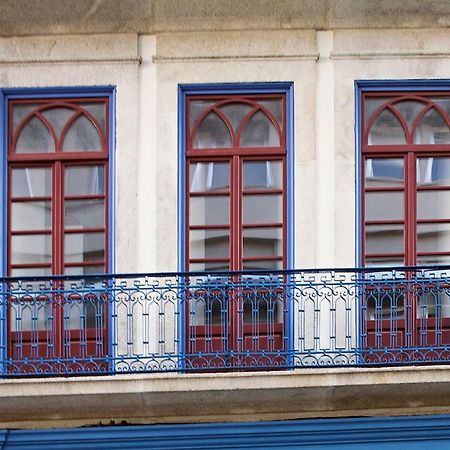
(406, 153)
(406, 214)
(57, 221)
(235, 194)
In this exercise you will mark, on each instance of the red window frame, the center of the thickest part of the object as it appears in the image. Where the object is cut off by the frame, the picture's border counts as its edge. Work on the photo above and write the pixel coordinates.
(404, 327)
(235, 155)
(56, 341)
(237, 333)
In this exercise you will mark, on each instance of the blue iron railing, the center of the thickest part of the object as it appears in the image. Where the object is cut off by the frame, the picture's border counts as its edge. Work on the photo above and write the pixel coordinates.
(224, 321)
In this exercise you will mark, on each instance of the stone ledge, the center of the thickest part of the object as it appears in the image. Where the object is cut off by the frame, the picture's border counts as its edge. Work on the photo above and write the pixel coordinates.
(26, 17)
(178, 398)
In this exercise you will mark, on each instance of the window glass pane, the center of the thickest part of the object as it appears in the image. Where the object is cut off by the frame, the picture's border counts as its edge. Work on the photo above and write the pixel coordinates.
(31, 182)
(58, 117)
(209, 244)
(382, 172)
(384, 239)
(371, 105)
(384, 206)
(263, 175)
(85, 180)
(409, 109)
(82, 136)
(35, 137)
(433, 237)
(98, 110)
(433, 171)
(433, 260)
(262, 209)
(263, 242)
(31, 216)
(260, 132)
(275, 106)
(84, 270)
(20, 110)
(84, 213)
(209, 267)
(212, 133)
(196, 107)
(33, 248)
(262, 265)
(84, 247)
(213, 210)
(209, 176)
(432, 129)
(443, 102)
(31, 272)
(433, 204)
(236, 112)
(386, 130)
(384, 261)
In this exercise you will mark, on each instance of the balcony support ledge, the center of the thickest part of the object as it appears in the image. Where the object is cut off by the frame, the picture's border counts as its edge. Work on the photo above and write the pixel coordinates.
(223, 397)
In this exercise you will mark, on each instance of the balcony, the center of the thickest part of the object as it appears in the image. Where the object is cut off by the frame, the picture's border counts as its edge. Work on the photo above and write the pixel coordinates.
(224, 322)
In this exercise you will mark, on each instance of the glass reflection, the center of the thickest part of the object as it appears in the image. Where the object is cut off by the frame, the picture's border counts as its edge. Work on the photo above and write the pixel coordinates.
(386, 130)
(384, 239)
(84, 247)
(32, 248)
(433, 205)
(212, 133)
(260, 132)
(209, 176)
(262, 209)
(82, 136)
(85, 180)
(384, 206)
(263, 242)
(381, 172)
(433, 237)
(35, 137)
(433, 129)
(263, 175)
(31, 182)
(214, 210)
(433, 171)
(205, 244)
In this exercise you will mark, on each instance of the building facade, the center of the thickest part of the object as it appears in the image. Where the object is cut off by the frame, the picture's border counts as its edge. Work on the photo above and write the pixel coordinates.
(229, 216)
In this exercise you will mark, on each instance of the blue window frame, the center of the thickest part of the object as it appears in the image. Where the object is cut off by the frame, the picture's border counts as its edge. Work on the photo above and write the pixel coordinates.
(236, 211)
(52, 140)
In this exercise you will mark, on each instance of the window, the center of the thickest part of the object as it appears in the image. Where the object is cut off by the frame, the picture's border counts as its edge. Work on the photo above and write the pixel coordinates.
(235, 154)
(406, 152)
(57, 220)
(406, 212)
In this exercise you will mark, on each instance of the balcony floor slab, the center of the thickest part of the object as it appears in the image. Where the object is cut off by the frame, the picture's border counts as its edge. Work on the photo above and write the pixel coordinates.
(211, 397)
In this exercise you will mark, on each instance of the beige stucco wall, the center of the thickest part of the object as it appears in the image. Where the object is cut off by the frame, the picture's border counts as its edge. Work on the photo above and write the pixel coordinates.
(147, 69)
(100, 60)
(373, 55)
(232, 57)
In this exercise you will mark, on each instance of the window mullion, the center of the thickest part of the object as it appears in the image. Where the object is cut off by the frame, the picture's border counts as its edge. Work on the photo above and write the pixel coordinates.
(410, 209)
(58, 222)
(236, 214)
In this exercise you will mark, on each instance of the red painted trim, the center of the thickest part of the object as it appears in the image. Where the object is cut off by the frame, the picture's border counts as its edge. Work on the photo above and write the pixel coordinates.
(58, 162)
(235, 331)
(410, 152)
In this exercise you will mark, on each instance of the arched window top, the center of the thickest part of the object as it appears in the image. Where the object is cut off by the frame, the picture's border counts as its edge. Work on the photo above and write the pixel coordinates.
(242, 122)
(412, 119)
(54, 126)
